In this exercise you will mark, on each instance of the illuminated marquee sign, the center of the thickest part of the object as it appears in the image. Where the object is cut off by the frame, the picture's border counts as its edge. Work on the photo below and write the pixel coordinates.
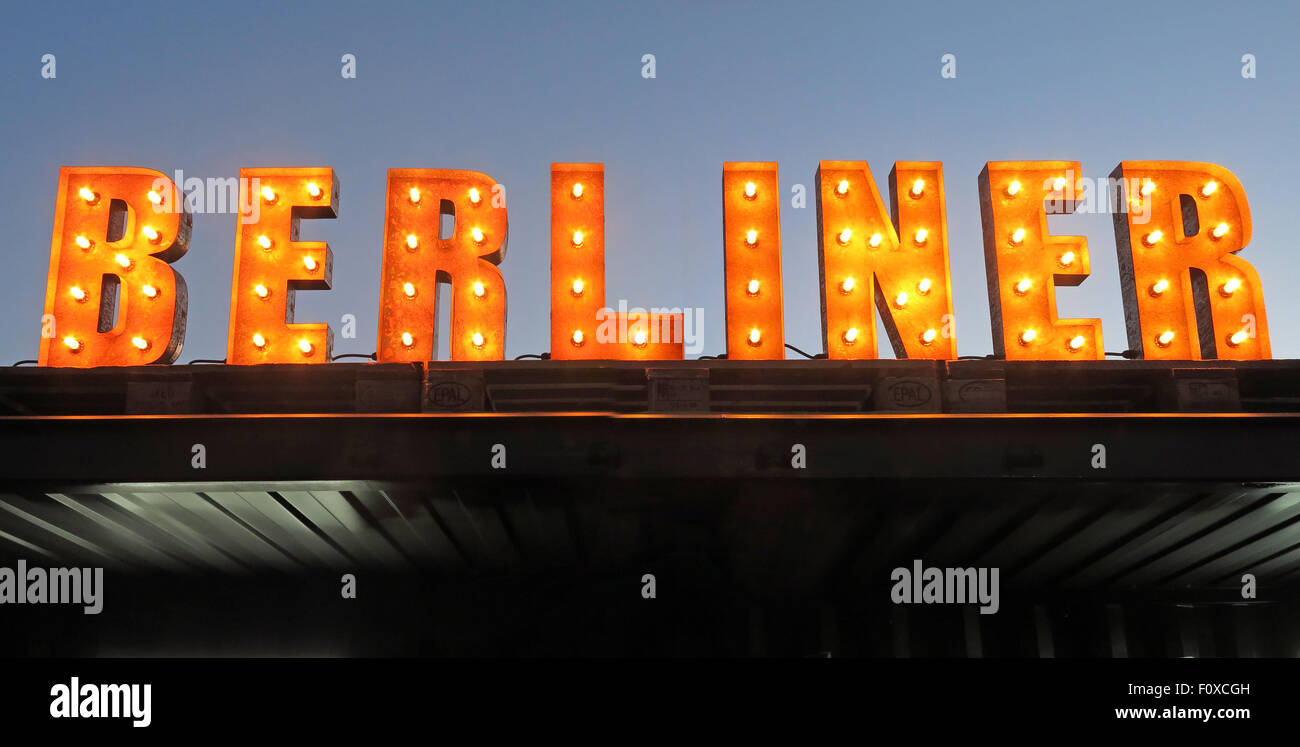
(113, 299)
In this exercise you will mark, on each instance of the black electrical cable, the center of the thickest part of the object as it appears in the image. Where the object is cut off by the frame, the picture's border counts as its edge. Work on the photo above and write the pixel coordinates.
(806, 355)
(368, 356)
(1129, 354)
(540, 357)
(23, 363)
(205, 360)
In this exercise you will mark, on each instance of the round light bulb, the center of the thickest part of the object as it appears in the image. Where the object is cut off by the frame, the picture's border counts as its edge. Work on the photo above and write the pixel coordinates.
(88, 195)
(924, 286)
(151, 233)
(1013, 189)
(1220, 230)
(1018, 237)
(875, 240)
(140, 343)
(1058, 184)
(1028, 336)
(1164, 338)
(268, 194)
(480, 290)
(928, 336)
(77, 293)
(259, 341)
(918, 187)
(72, 344)
(577, 191)
(846, 235)
(474, 197)
(313, 189)
(261, 291)
(149, 291)
(1230, 287)
(265, 241)
(1076, 342)
(154, 197)
(577, 238)
(752, 288)
(1023, 286)
(755, 337)
(477, 339)
(407, 339)
(842, 188)
(577, 337)
(751, 190)
(639, 338)
(1151, 239)
(1159, 287)
(414, 195)
(412, 241)
(1148, 187)
(851, 335)
(84, 242)
(921, 235)
(1067, 259)
(1238, 337)
(1209, 189)
(901, 299)
(122, 260)
(577, 288)
(751, 237)
(846, 285)
(408, 289)
(309, 263)
(305, 347)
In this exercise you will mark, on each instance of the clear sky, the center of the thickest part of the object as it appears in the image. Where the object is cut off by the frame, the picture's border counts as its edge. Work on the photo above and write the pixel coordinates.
(508, 88)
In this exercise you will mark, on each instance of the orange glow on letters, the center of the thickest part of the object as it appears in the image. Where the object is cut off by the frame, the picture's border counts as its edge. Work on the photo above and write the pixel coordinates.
(112, 298)
(1024, 263)
(897, 261)
(418, 260)
(271, 265)
(581, 327)
(751, 226)
(1178, 265)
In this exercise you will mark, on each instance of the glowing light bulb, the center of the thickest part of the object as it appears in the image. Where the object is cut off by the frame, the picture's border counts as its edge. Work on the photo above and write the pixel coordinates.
(261, 291)
(1018, 237)
(639, 338)
(577, 238)
(924, 286)
(1013, 189)
(414, 195)
(846, 285)
(921, 235)
(140, 343)
(577, 287)
(1164, 338)
(918, 187)
(1209, 189)
(901, 299)
(313, 189)
(1154, 237)
(1220, 231)
(84, 242)
(846, 235)
(752, 288)
(412, 241)
(1058, 184)
(77, 293)
(928, 336)
(474, 197)
(751, 237)
(151, 233)
(88, 195)
(305, 347)
(851, 335)
(577, 337)
(309, 262)
(1148, 187)
(407, 339)
(72, 344)
(577, 191)
(1023, 286)
(408, 289)
(842, 188)
(1159, 287)
(154, 197)
(480, 290)
(1230, 287)
(1076, 343)
(755, 337)
(1028, 336)
(265, 241)
(122, 260)
(1067, 259)
(1238, 337)
(477, 339)
(268, 194)
(259, 341)
(149, 291)
(751, 190)
(875, 240)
